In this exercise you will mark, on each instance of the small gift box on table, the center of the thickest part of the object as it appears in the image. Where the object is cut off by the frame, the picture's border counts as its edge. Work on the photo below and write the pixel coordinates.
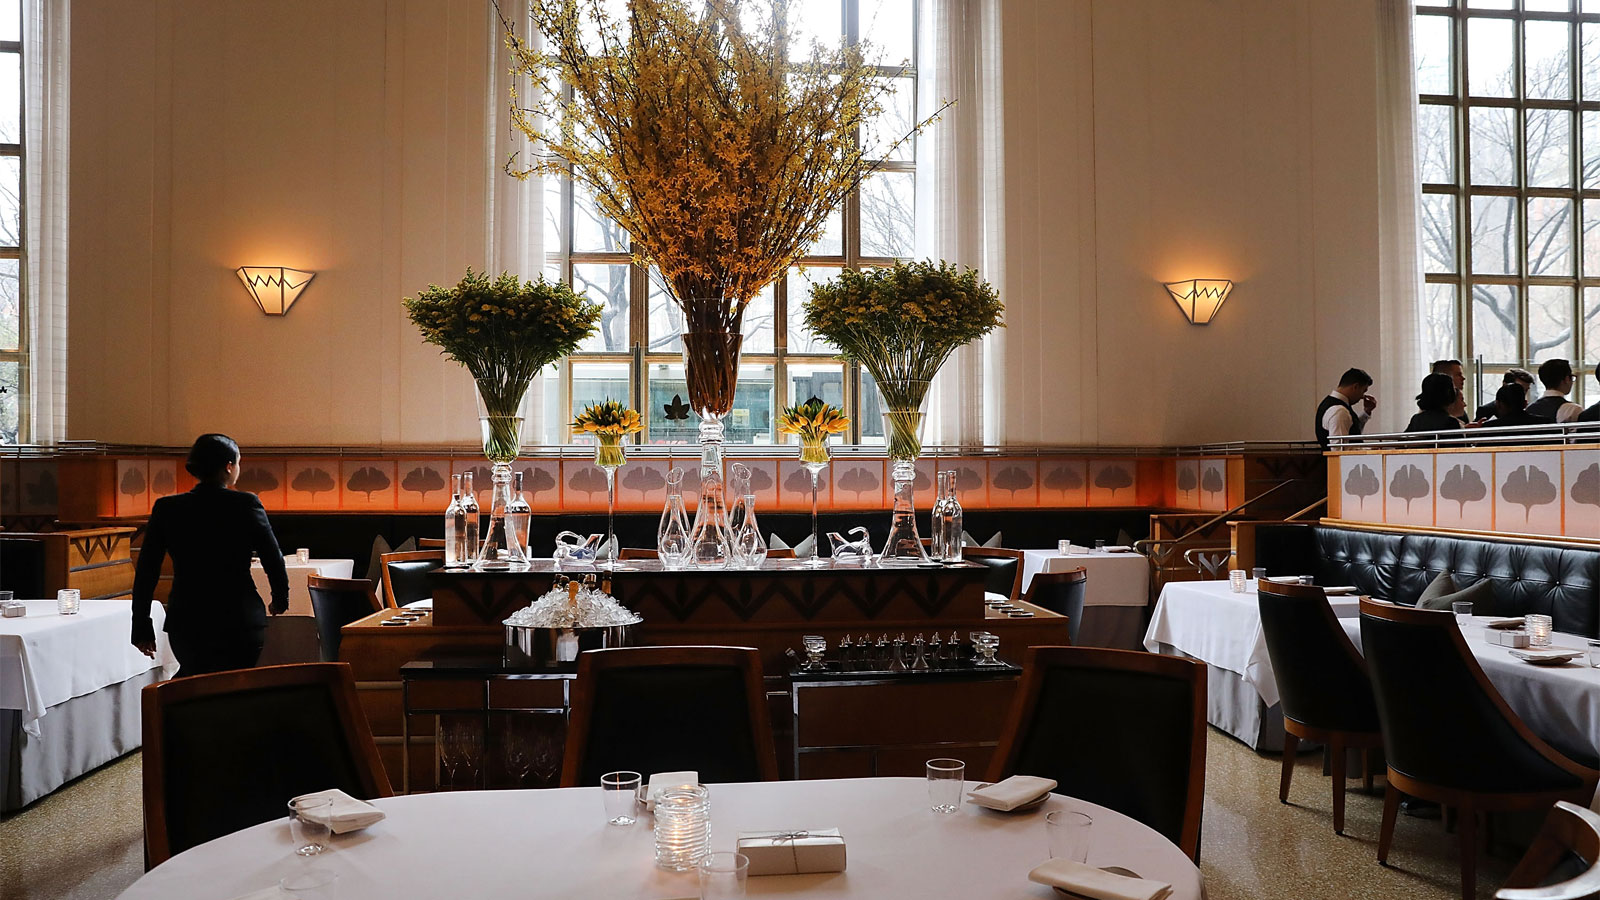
(793, 852)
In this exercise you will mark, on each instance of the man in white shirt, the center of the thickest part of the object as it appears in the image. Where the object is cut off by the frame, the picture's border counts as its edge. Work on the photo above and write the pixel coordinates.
(1556, 376)
(1338, 413)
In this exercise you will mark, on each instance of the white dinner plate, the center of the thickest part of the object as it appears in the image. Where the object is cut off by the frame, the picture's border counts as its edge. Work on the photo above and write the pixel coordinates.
(1548, 657)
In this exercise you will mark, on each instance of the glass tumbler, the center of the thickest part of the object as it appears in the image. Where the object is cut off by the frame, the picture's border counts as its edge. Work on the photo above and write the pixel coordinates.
(1069, 835)
(620, 790)
(1258, 573)
(1063, 548)
(723, 875)
(309, 819)
(312, 884)
(67, 601)
(302, 556)
(1463, 611)
(1594, 654)
(946, 779)
(1099, 545)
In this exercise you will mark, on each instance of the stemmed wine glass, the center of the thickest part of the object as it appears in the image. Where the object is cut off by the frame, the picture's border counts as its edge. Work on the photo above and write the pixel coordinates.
(515, 745)
(460, 747)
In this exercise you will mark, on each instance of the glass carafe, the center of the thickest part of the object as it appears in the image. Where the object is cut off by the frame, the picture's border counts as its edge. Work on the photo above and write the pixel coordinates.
(947, 524)
(749, 548)
(672, 536)
(936, 536)
(519, 514)
(469, 512)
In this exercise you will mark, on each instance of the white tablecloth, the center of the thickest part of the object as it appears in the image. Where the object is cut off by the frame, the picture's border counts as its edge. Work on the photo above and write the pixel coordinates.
(47, 658)
(555, 843)
(1208, 621)
(1560, 703)
(1115, 579)
(299, 594)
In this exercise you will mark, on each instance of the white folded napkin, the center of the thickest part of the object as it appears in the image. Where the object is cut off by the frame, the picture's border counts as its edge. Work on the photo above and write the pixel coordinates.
(666, 781)
(1546, 655)
(1339, 590)
(1517, 622)
(347, 813)
(992, 597)
(1118, 548)
(1011, 793)
(1097, 884)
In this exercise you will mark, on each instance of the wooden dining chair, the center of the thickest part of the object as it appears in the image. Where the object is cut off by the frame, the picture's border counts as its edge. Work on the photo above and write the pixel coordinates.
(668, 709)
(229, 750)
(1571, 834)
(1005, 569)
(1322, 683)
(405, 575)
(1119, 728)
(336, 602)
(1449, 736)
(1061, 593)
(430, 543)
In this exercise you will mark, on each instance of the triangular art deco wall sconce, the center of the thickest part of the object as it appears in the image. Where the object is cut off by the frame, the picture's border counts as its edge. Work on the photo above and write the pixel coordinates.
(274, 288)
(1200, 298)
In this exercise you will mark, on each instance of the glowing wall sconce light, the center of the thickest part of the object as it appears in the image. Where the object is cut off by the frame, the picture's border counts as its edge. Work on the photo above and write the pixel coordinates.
(274, 288)
(1200, 298)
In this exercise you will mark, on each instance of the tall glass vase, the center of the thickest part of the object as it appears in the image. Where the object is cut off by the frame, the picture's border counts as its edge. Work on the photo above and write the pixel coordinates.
(711, 370)
(814, 459)
(902, 429)
(502, 420)
(610, 456)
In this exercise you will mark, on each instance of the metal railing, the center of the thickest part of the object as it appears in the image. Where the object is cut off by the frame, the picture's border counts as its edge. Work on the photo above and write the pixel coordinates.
(1482, 436)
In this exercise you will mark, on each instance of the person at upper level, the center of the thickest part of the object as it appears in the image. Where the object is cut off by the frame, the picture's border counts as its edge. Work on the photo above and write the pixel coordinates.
(1520, 377)
(1338, 413)
(1556, 376)
(1592, 414)
(1437, 402)
(1511, 409)
(1458, 377)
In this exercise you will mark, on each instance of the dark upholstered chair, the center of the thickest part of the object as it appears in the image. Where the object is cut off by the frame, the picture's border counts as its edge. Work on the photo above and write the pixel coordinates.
(430, 543)
(22, 567)
(665, 709)
(1005, 569)
(1061, 592)
(405, 575)
(229, 750)
(1119, 728)
(1322, 681)
(1447, 733)
(337, 602)
(1563, 862)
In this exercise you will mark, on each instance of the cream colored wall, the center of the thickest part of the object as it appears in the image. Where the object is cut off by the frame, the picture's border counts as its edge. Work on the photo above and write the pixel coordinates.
(1159, 140)
(1147, 141)
(345, 138)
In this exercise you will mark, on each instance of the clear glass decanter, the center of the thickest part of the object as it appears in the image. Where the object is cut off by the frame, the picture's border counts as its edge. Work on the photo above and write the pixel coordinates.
(749, 548)
(469, 510)
(672, 536)
(936, 535)
(947, 524)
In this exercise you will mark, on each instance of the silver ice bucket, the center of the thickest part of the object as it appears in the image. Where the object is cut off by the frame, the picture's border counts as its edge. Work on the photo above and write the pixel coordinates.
(527, 645)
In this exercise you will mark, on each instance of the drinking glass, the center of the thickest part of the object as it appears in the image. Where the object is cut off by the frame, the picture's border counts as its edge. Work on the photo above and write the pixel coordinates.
(620, 791)
(302, 556)
(1463, 611)
(1594, 654)
(723, 875)
(1063, 548)
(1099, 545)
(67, 601)
(1258, 573)
(312, 884)
(946, 779)
(5, 596)
(309, 818)
(1236, 580)
(1069, 835)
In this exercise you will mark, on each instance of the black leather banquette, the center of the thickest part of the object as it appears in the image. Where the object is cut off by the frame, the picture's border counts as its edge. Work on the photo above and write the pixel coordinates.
(1557, 581)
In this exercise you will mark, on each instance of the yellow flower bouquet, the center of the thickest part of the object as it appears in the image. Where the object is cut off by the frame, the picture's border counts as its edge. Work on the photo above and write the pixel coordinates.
(609, 422)
(503, 331)
(812, 422)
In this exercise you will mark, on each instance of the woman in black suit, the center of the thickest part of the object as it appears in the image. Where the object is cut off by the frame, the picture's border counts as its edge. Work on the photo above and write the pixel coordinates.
(1433, 404)
(215, 617)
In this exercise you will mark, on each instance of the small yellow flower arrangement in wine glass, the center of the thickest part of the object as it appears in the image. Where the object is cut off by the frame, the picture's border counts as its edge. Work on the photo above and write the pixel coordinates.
(609, 422)
(812, 422)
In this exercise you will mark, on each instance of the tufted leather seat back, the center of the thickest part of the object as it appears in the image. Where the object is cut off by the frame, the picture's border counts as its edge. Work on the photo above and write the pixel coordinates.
(1559, 582)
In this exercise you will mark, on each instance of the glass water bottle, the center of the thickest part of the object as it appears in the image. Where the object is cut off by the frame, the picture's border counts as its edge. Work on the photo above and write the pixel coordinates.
(947, 519)
(469, 509)
(519, 514)
(455, 528)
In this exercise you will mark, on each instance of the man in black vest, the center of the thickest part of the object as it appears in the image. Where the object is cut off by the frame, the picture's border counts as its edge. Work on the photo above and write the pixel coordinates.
(1337, 413)
(1520, 377)
(1556, 376)
(1592, 414)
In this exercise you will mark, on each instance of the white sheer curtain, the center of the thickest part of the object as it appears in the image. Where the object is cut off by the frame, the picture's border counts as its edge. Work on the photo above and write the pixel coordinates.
(515, 210)
(45, 41)
(1404, 352)
(960, 211)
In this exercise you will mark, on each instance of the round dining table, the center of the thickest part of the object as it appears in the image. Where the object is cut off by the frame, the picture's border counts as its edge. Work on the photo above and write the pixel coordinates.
(556, 843)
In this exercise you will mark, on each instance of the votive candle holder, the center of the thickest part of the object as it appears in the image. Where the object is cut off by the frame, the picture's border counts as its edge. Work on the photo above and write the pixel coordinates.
(683, 827)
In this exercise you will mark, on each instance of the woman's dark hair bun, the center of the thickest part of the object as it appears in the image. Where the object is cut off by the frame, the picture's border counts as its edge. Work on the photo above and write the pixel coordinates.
(210, 455)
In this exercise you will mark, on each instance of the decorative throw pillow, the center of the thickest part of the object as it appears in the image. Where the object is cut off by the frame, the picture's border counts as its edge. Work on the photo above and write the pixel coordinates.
(967, 540)
(994, 541)
(1480, 595)
(803, 550)
(1443, 586)
(380, 546)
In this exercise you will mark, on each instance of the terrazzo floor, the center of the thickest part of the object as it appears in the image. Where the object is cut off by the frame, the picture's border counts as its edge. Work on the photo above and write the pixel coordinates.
(85, 842)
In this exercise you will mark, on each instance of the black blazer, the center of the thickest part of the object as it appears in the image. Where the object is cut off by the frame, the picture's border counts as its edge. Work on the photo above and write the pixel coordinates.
(210, 533)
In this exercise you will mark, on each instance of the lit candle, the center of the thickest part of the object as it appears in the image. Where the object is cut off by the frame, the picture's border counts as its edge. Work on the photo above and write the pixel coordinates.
(1538, 630)
(683, 827)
